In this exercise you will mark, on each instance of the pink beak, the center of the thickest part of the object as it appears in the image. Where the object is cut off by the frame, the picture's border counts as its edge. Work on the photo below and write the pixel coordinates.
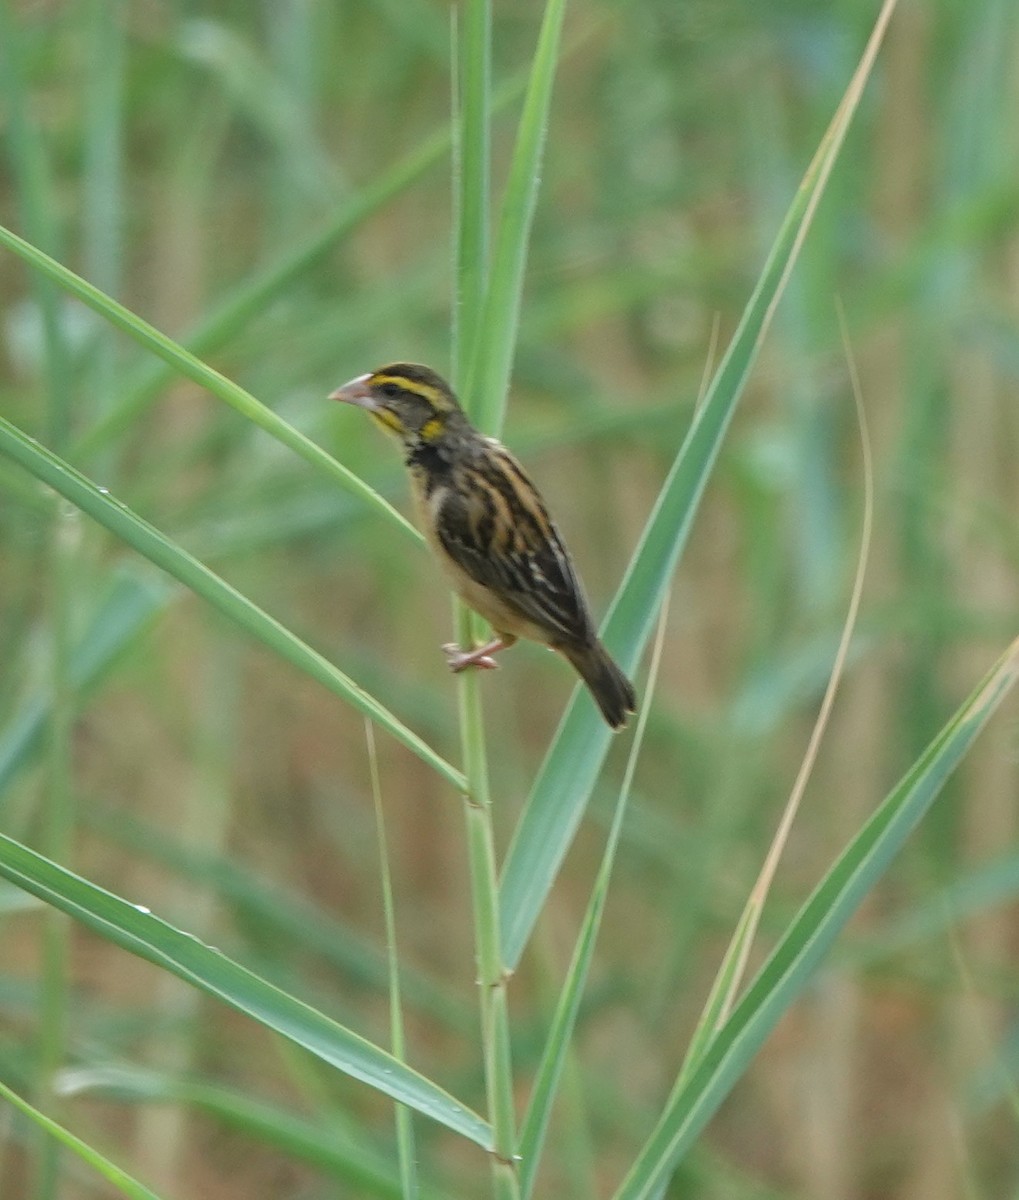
(356, 392)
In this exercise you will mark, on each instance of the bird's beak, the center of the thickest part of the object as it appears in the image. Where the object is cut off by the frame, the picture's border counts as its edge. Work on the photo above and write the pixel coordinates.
(356, 392)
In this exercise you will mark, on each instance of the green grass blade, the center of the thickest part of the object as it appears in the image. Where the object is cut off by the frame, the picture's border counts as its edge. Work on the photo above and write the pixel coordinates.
(405, 1141)
(246, 302)
(253, 297)
(472, 69)
(497, 334)
(205, 376)
(156, 547)
(553, 1059)
(563, 787)
(139, 932)
(808, 938)
(110, 1172)
(352, 1160)
(294, 920)
(472, 101)
(730, 976)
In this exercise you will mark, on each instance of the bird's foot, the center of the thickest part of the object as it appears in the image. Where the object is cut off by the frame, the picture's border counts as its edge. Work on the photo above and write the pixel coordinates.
(481, 656)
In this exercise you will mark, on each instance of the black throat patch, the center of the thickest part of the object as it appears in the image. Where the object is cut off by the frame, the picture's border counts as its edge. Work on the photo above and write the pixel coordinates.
(431, 460)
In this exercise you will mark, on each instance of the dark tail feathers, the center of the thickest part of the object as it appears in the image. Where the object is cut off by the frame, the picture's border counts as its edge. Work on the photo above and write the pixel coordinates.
(611, 689)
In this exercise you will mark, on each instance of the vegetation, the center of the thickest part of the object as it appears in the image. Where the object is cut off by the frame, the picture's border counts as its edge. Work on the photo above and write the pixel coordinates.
(258, 848)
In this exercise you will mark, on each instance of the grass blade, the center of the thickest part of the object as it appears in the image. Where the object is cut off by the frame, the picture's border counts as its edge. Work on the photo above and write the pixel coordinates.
(497, 334)
(158, 548)
(563, 787)
(109, 1171)
(246, 302)
(254, 296)
(205, 376)
(138, 931)
(294, 919)
(809, 936)
(471, 118)
(472, 70)
(731, 972)
(557, 1044)
(349, 1159)
(409, 1184)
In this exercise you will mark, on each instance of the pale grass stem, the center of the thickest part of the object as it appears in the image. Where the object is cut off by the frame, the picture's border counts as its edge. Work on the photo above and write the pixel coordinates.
(404, 1119)
(759, 893)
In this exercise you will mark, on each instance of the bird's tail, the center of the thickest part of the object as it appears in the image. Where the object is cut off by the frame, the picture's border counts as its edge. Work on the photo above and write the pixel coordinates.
(611, 689)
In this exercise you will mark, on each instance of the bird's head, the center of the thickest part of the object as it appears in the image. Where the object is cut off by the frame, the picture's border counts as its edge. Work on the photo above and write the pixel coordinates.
(408, 400)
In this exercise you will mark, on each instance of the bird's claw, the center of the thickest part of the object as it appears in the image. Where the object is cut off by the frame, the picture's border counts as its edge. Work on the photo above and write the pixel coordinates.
(459, 660)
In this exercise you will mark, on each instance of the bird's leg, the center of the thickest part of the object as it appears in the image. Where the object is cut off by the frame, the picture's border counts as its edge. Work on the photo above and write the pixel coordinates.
(481, 656)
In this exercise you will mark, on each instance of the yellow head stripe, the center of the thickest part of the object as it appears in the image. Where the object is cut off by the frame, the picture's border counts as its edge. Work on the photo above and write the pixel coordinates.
(432, 429)
(435, 397)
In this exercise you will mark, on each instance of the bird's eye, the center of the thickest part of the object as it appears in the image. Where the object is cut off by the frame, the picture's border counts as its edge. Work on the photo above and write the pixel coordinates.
(389, 389)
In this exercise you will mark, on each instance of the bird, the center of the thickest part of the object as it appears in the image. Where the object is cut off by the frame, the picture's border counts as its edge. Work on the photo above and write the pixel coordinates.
(489, 528)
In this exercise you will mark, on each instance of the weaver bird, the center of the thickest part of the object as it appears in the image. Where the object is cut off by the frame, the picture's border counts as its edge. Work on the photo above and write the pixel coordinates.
(489, 529)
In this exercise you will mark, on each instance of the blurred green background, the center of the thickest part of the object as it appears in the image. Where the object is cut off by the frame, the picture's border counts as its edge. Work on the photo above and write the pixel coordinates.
(273, 179)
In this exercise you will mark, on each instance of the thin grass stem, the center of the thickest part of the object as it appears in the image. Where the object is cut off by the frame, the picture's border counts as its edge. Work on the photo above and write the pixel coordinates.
(471, 121)
(404, 1117)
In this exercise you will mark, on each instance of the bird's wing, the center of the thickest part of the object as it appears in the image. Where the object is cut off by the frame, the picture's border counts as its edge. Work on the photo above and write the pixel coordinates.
(495, 528)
